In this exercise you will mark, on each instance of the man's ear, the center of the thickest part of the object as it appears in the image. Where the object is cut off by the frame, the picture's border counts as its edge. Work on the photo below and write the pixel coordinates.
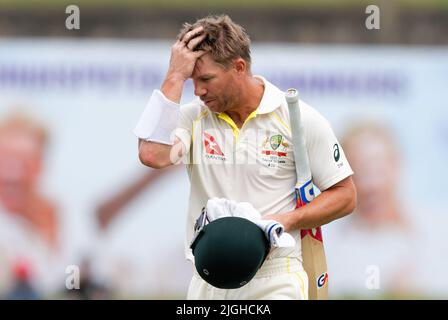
(240, 66)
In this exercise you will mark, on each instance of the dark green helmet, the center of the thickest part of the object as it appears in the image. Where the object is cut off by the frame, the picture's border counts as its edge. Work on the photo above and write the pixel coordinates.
(229, 251)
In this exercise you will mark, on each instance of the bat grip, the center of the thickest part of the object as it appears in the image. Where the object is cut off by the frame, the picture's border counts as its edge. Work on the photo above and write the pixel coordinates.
(292, 96)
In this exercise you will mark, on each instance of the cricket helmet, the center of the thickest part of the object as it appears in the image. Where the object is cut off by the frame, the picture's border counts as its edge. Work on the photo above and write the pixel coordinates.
(229, 251)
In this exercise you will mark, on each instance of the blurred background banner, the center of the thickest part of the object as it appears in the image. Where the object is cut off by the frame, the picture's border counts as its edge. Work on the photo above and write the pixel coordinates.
(72, 190)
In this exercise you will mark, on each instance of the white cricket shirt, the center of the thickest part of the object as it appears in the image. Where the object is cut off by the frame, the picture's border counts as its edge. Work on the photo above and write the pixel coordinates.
(255, 163)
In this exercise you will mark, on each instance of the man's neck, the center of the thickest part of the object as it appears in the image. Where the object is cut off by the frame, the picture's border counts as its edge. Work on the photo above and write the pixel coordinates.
(252, 93)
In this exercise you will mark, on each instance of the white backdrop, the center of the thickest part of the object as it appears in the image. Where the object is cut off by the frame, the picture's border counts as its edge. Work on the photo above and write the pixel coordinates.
(90, 93)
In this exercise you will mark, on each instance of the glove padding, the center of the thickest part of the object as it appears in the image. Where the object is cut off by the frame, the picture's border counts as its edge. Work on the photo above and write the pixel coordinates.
(220, 207)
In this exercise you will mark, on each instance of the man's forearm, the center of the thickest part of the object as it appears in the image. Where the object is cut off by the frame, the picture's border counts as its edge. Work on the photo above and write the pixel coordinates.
(334, 203)
(172, 87)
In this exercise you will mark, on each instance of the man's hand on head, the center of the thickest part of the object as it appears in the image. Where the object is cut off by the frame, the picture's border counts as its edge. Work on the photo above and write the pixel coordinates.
(182, 62)
(184, 56)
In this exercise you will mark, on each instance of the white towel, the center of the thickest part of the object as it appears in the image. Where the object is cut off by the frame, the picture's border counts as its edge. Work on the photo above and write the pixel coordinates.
(274, 231)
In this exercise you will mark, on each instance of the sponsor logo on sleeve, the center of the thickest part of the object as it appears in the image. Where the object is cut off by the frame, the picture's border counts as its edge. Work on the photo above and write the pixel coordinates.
(336, 153)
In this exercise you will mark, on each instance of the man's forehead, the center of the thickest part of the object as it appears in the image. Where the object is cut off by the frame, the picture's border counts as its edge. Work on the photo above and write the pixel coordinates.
(205, 64)
(205, 59)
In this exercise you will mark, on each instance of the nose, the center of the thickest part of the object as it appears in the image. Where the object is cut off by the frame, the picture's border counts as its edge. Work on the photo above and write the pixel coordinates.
(199, 90)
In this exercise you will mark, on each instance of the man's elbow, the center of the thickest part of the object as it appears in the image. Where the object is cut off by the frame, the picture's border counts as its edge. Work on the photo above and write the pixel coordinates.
(146, 158)
(149, 157)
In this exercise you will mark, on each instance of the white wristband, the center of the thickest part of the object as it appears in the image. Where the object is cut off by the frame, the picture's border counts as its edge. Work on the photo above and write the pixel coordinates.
(159, 119)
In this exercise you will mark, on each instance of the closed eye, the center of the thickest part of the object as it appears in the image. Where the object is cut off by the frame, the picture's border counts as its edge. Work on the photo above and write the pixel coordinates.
(205, 79)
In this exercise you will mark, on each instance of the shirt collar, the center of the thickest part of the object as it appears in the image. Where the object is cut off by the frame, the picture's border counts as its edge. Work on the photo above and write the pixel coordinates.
(272, 97)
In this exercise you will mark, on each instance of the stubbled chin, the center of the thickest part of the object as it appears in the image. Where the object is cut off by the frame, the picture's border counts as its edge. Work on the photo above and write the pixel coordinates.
(212, 106)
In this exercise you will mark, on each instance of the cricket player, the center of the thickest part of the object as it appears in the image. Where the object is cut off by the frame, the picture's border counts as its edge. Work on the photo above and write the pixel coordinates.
(236, 142)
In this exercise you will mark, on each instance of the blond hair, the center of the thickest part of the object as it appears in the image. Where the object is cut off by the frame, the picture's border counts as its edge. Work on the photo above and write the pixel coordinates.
(19, 121)
(225, 39)
(379, 131)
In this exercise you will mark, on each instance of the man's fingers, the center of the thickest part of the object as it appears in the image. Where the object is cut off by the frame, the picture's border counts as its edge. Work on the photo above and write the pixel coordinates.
(200, 53)
(191, 34)
(196, 41)
(183, 58)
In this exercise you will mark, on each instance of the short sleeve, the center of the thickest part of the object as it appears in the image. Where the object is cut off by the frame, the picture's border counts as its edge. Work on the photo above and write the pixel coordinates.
(327, 159)
(188, 113)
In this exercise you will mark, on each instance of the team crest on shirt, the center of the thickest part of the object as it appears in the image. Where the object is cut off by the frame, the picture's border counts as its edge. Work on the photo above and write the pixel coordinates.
(212, 148)
(275, 141)
(274, 150)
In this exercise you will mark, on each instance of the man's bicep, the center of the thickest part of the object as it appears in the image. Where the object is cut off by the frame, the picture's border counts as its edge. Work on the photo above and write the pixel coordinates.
(189, 113)
(183, 135)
